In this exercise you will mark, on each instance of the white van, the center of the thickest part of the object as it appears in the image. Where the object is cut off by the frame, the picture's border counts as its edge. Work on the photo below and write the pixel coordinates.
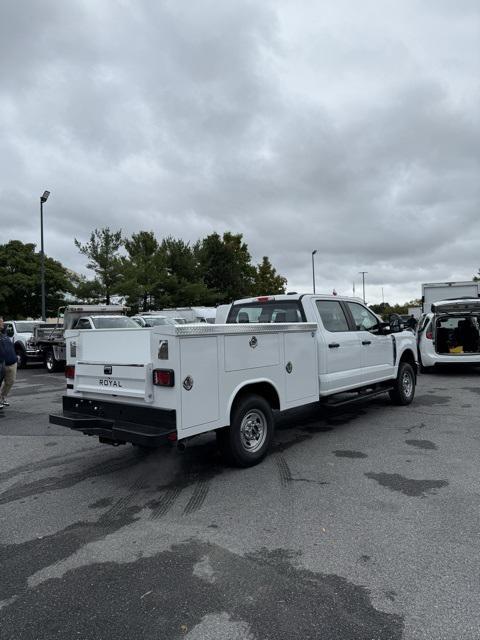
(450, 333)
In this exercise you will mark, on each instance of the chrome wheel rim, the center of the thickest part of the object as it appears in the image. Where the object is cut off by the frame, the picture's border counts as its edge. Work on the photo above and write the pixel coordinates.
(407, 384)
(253, 430)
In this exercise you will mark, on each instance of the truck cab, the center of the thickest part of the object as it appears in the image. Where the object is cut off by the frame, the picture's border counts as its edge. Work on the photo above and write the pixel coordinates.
(355, 347)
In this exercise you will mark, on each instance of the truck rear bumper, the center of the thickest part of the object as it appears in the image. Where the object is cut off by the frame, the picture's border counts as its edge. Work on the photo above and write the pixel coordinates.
(117, 423)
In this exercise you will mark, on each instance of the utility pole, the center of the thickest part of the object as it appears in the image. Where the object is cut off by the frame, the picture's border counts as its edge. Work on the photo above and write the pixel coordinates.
(363, 283)
(313, 269)
(43, 199)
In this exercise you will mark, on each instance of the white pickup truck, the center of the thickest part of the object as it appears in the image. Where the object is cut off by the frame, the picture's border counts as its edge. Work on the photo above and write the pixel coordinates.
(147, 386)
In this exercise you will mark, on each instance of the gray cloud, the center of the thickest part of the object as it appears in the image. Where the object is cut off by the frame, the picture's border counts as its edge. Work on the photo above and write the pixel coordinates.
(352, 129)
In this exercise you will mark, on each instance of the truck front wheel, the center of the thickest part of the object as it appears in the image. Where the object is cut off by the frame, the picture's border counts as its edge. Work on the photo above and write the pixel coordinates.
(21, 357)
(246, 441)
(403, 391)
(51, 363)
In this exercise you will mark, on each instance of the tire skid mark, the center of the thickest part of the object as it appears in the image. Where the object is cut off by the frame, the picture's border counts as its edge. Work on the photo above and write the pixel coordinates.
(54, 483)
(198, 497)
(284, 471)
(122, 503)
(165, 502)
(48, 463)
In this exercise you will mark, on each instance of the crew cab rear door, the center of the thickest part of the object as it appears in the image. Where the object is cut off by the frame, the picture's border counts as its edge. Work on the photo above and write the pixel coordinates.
(340, 349)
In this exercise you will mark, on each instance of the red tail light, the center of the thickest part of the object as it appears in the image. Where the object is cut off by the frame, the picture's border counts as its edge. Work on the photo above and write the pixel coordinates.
(70, 371)
(429, 335)
(164, 377)
(264, 298)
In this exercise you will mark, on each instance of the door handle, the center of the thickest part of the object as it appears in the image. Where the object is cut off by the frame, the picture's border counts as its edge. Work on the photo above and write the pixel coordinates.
(333, 345)
(366, 342)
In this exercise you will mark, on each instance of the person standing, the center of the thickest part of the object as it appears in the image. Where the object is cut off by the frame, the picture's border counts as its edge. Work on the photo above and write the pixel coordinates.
(9, 357)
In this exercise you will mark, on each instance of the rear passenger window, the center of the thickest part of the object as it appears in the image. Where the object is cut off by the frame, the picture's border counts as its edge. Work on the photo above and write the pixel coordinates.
(332, 315)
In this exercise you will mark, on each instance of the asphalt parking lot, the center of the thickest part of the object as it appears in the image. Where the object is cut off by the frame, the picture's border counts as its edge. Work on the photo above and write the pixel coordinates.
(361, 524)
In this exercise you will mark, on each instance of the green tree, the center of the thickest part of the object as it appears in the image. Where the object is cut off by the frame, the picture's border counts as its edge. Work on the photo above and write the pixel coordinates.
(20, 282)
(87, 291)
(225, 266)
(143, 270)
(183, 285)
(102, 251)
(267, 280)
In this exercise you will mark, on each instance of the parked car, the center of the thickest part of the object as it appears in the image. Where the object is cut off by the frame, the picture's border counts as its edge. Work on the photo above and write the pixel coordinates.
(21, 333)
(449, 334)
(147, 320)
(105, 322)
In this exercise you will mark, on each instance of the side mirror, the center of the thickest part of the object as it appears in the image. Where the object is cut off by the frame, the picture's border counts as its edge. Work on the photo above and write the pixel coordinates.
(10, 332)
(396, 324)
(383, 328)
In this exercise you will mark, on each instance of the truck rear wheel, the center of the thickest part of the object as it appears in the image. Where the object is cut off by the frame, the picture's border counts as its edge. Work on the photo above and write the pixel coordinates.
(403, 391)
(246, 441)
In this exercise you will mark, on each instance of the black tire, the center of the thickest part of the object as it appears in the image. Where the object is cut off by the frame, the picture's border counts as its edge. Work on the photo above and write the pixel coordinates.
(21, 357)
(51, 363)
(404, 388)
(246, 441)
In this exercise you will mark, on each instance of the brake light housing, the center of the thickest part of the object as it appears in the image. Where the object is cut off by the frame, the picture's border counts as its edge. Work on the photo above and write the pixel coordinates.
(429, 335)
(70, 371)
(164, 377)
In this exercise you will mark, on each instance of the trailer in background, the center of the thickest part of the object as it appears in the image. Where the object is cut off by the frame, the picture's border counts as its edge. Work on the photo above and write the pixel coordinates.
(436, 291)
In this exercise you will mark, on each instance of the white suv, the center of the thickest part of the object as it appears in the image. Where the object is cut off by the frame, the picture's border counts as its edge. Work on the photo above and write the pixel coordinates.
(450, 333)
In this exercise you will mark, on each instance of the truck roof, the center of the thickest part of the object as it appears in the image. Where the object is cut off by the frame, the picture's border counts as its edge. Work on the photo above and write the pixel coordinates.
(296, 296)
(103, 316)
(92, 308)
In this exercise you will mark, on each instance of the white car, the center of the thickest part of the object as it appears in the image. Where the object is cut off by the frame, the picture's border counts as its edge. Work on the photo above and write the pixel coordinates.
(450, 334)
(105, 322)
(151, 320)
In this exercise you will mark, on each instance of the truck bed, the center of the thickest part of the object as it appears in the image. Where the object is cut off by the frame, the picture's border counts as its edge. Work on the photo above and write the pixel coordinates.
(209, 364)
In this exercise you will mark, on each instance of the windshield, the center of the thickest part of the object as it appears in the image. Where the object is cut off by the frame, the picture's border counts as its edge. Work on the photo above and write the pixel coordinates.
(26, 327)
(122, 322)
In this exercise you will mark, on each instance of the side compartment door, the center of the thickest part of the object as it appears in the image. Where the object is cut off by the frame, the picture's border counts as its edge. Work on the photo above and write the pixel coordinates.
(377, 349)
(339, 349)
(301, 372)
(198, 380)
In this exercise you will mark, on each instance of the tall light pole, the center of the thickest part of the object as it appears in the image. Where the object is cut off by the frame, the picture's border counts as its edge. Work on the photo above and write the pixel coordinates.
(313, 269)
(363, 283)
(43, 199)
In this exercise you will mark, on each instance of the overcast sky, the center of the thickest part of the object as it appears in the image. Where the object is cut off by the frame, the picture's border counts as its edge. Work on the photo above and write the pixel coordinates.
(343, 126)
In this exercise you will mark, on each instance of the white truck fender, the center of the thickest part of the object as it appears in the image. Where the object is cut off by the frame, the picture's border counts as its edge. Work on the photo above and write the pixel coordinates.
(250, 383)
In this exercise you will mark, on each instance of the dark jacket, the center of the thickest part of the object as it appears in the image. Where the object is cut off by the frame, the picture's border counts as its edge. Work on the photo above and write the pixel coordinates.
(7, 350)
